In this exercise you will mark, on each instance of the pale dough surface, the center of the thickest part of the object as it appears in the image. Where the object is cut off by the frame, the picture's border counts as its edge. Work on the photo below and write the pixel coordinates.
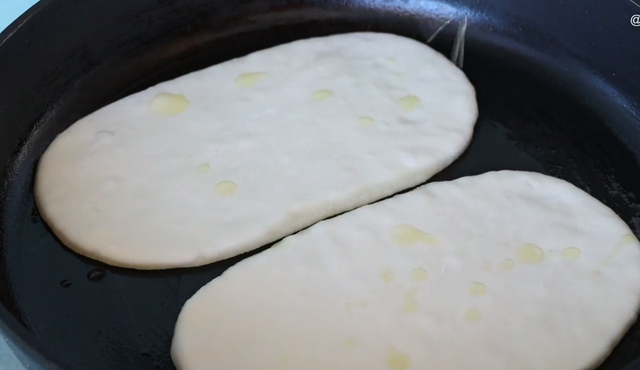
(229, 158)
(502, 271)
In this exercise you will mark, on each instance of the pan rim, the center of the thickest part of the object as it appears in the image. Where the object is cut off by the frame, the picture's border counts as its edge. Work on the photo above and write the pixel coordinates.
(17, 335)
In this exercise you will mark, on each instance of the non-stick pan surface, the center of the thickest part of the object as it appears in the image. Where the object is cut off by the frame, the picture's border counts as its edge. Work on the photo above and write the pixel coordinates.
(556, 82)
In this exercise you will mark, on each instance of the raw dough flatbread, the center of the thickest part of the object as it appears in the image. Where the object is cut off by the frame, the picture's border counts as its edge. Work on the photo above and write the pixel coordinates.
(502, 271)
(227, 159)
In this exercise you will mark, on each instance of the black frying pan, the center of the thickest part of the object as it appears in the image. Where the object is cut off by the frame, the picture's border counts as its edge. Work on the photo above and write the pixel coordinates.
(557, 82)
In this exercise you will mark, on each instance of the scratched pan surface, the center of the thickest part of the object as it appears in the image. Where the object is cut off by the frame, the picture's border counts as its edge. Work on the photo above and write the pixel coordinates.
(556, 83)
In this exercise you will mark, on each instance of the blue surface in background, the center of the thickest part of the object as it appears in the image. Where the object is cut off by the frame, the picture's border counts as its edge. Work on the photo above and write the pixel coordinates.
(9, 11)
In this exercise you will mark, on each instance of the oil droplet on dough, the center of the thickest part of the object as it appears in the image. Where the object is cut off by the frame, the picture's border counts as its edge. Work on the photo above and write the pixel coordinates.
(366, 122)
(397, 360)
(506, 265)
(472, 315)
(410, 306)
(406, 236)
(412, 294)
(204, 168)
(486, 266)
(386, 276)
(477, 289)
(323, 95)
(409, 102)
(362, 304)
(226, 188)
(348, 307)
(419, 275)
(351, 342)
(628, 239)
(391, 60)
(624, 241)
(249, 79)
(529, 253)
(571, 253)
(169, 104)
(284, 360)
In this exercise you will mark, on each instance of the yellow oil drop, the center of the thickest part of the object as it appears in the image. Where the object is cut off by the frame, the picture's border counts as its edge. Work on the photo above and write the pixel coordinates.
(406, 236)
(627, 239)
(529, 253)
(409, 103)
(348, 307)
(362, 304)
(323, 95)
(486, 266)
(410, 306)
(169, 104)
(571, 253)
(249, 79)
(366, 122)
(397, 360)
(226, 188)
(477, 289)
(284, 360)
(205, 168)
(472, 315)
(506, 265)
(392, 60)
(412, 294)
(351, 342)
(387, 276)
(419, 275)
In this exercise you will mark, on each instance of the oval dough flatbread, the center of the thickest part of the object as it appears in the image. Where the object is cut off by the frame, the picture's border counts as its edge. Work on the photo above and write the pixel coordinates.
(227, 159)
(502, 271)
